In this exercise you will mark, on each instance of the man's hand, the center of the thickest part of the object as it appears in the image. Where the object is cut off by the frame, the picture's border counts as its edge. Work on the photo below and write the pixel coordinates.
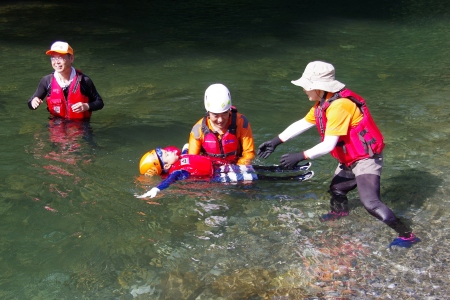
(35, 102)
(80, 107)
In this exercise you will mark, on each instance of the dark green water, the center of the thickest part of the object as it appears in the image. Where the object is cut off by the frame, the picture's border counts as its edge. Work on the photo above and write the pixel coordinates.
(71, 226)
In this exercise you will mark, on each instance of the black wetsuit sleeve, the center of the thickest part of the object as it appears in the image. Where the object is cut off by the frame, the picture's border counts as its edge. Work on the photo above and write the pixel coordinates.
(42, 89)
(88, 89)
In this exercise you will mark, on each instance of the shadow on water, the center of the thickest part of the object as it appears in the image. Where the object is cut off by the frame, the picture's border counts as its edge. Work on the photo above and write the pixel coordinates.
(410, 189)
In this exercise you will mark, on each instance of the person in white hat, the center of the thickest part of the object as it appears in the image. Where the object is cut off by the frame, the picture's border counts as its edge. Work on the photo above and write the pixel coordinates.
(224, 134)
(70, 93)
(351, 136)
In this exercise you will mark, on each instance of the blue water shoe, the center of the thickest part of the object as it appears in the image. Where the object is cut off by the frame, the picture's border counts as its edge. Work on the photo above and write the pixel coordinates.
(404, 242)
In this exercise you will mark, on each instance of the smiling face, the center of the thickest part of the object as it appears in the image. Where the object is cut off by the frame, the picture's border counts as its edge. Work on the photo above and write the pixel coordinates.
(62, 63)
(219, 121)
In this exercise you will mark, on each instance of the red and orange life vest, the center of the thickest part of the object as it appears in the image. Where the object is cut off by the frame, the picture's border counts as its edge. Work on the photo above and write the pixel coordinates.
(59, 106)
(225, 150)
(362, 141)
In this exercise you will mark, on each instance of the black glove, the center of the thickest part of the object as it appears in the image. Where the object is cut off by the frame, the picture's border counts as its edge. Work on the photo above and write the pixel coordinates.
(290, 160)
(266, 148)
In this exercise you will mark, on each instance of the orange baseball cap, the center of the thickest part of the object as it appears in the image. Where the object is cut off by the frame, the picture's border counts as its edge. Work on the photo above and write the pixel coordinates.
(60, 48)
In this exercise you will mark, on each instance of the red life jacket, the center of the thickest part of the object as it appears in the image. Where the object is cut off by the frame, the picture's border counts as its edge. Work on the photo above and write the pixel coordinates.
(362, 141)
(59, 106)
(226, 149)
(196, 165)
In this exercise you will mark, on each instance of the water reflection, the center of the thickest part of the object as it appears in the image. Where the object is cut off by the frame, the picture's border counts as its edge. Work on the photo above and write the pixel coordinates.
(66, 137)
(61, 152)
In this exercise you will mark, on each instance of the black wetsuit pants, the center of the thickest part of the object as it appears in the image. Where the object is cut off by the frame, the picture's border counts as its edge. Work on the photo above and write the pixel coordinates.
(368, 183)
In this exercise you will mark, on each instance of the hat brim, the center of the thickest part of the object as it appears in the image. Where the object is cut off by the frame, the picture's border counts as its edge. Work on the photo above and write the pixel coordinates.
(329, 86)
(52, 52)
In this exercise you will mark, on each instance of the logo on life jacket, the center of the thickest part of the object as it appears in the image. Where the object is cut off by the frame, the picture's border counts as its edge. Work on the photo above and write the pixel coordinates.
(226, 142)
(184, 161)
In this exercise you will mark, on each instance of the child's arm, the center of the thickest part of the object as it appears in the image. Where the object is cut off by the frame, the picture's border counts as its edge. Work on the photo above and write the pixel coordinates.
(173, 177)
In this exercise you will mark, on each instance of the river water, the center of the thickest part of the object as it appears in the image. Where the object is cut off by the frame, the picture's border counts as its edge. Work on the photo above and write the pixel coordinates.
(71, 225)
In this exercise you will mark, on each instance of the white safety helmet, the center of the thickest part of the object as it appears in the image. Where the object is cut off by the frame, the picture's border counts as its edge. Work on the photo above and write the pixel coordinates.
(217, 98)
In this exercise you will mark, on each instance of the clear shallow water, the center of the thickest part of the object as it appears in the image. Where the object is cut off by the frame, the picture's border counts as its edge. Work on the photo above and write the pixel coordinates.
(71, 227)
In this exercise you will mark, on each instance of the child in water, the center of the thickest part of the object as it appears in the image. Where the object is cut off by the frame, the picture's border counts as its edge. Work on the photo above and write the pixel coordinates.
(175, 166)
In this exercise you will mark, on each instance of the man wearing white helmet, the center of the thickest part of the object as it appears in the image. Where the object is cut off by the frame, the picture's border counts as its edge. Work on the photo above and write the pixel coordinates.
(223, 134)
(351, 136)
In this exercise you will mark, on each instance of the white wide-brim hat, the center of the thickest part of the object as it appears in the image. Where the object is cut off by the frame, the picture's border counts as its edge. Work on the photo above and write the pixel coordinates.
(319, 75)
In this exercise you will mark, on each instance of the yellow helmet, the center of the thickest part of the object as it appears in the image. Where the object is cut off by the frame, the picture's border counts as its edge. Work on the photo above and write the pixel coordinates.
(151, 163)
